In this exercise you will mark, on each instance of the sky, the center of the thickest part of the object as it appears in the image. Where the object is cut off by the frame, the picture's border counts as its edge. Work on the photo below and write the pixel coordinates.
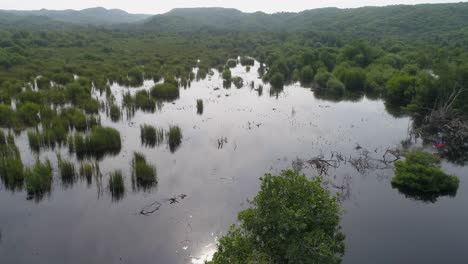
(161, 6)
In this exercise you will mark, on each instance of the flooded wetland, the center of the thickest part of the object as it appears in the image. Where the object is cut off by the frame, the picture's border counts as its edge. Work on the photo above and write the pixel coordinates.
(187, 166)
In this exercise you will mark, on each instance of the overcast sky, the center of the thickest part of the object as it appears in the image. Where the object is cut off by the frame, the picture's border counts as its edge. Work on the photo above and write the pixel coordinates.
(161, 6)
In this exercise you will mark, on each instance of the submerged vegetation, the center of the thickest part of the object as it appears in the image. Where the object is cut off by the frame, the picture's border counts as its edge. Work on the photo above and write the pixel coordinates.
(421, 177)
(291, 220)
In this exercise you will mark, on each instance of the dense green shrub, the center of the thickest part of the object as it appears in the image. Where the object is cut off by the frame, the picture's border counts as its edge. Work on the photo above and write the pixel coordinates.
(307, 75)
(247, 61)
(227, 74)
(277, 80)
(165, 91)
(231, 63)
(291, 220)
(11, 166)
(335, 87)
(420, 177)
(322, 77)
(238, 81)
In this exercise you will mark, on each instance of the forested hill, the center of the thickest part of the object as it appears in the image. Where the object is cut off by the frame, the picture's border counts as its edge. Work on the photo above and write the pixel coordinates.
(390, 20)
(90, 16)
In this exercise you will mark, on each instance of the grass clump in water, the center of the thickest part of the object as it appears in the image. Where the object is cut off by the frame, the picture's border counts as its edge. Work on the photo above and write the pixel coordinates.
(143, 175)
(11, 166)
(88, 170)
(116, 185)
(38, 180)
(200, 106)
(165, 91)
(101, 141)
(151, 136)
(421, 177)
(238, 82)
(174, 137)
(67, 171)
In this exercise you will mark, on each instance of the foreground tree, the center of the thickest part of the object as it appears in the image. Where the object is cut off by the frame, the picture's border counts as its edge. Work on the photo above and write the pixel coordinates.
(291, 220)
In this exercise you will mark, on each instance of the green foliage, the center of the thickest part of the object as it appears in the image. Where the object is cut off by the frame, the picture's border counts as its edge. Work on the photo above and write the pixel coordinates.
(199, 106)
(174, 137)
(247, 61)
(227, 74)
(291, 220)
(420, 177)
(99, 142)
(400, 89)
(322, 77)
(116, 185)
(67, 171)
(335, 87)
(354, 78)
(11, 166)
(114, 113)
(277, 80)
(88, 170)
(231, 63)
(151, 136)
(143, 174)
(165, 91)
(307, 75)
(238, 82)
(38, 180)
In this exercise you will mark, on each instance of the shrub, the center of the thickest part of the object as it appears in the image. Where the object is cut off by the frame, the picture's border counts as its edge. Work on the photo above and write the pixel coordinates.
(165, 91)
(247, 61)
(277, 80)
(28, 114)
(335, 87)
(11, 166)
(116, 185)
(38, 180)
(231, 63)
(238, 82)
(174, 137)
(143, 175)
(322, 77)
(307, 75)
(114, 113)
(200, 106)
(421, 177)
(6, 116)
(291, 220)
(227, 74)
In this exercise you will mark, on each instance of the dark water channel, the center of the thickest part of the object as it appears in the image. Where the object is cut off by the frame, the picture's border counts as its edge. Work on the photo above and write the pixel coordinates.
(260, 133)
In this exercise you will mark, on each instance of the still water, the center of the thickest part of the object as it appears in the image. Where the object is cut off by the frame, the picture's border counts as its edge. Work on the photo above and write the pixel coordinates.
(242, 134)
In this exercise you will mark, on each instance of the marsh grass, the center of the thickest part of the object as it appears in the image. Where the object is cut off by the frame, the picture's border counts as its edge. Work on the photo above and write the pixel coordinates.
(174, 137)
(200, 106)
(116, 185)
(88, 170)
(100, 142)
(238, 82)
(11, 166)
(143, 175)
(38, 180)
(67, 171)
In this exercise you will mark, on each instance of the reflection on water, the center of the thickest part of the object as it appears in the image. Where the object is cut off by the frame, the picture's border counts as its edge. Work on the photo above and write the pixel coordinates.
(242, 134)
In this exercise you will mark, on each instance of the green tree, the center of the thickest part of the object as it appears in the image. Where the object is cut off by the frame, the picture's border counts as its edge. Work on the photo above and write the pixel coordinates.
(291, 220)
(307, 75)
